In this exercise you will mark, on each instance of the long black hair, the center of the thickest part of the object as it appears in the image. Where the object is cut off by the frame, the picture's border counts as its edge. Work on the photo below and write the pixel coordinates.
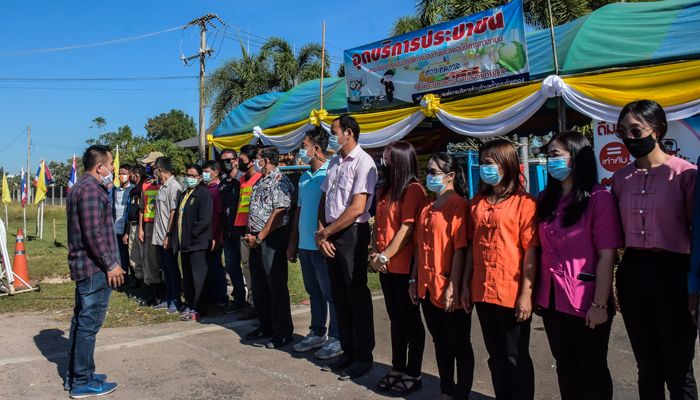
(651, 113)
(448, 163)
(404, 170)
(585, 174)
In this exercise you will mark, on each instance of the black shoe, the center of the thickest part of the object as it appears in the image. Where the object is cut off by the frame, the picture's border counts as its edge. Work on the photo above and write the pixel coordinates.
(151, 301)
(279, 342)
(257, 335)
(248, 315)
(356, 370)
(235, 307)
(342, 363)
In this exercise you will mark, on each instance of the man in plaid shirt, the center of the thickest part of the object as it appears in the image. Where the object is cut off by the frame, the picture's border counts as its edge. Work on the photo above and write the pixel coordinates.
(93, 259)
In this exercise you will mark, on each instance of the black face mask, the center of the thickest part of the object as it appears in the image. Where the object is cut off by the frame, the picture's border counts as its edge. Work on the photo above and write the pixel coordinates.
(639, 148)
(386, 171)
(244, 167)
(228, 165)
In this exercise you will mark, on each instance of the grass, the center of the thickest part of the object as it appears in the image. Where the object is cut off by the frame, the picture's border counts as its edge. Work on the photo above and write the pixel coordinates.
(47, 264)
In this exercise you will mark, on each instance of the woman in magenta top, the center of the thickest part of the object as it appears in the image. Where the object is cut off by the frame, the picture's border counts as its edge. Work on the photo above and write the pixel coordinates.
(655, 195)
(579, 232)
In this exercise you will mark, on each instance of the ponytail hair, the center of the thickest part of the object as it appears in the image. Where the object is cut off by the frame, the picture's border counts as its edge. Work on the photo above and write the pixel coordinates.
(447, 164)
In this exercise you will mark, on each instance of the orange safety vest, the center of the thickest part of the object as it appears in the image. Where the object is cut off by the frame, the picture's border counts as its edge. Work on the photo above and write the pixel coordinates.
(244, 199)
(150, 192)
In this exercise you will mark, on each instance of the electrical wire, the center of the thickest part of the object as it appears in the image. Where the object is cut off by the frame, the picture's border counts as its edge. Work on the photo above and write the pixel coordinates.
(60, 147)
(13, 140)
(55, 88)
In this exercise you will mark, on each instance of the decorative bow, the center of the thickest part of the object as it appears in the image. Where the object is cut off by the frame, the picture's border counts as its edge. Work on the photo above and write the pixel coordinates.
(317, 116)
(553, 86)
(430, 105)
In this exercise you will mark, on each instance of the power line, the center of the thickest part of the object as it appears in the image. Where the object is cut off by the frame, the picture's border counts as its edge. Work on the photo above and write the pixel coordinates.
(60, 147)
(13, 140)
(94, 79)
(23, 52)
(55, 88)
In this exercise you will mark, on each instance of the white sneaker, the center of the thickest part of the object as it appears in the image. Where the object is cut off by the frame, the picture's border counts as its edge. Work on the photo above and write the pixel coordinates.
(310, 342)
(329, 350)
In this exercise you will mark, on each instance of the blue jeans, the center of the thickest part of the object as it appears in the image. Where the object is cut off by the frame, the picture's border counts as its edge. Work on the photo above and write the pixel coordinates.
(232, 254)
(318, 286)
(91, 302)
(171, 274)
(216, 277)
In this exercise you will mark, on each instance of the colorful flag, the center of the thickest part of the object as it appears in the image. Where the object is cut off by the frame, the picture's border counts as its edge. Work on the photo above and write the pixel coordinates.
(73, 175)
(47, 174)
(5, 190)
(24, 188)
(40, 185)
(117, 182)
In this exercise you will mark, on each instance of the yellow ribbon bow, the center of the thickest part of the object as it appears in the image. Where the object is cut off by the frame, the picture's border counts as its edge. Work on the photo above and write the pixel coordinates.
(429, 105)
(317, 116)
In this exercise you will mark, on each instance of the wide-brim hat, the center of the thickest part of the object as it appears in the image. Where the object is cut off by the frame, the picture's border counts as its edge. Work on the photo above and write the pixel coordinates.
(150, 157)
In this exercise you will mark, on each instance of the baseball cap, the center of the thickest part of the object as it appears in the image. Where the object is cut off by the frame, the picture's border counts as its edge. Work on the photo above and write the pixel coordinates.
(150, 157)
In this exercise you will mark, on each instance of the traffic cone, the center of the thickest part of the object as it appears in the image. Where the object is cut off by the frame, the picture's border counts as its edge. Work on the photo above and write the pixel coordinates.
(19, 265)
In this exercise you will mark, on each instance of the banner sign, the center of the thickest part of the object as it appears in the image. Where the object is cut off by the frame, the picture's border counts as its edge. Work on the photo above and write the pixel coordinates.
(682, 140)
(470, 54)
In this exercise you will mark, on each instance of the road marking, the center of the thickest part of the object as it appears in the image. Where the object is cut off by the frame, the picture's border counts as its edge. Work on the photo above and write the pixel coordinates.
(155, 339)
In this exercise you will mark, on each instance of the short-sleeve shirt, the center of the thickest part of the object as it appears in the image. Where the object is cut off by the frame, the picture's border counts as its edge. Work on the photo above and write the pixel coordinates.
(309, 197)
(244, 198)
(388, 221)
(572, 250)
(501, 233)
(213, 188)
(166, 201)
(269, 193)
(356, 173)
(439, 233)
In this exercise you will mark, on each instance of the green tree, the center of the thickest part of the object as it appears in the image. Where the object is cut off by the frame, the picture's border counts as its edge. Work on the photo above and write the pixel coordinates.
(130, 146)
(341, 71)
(60, 172)
(99, 122)
(181, 157)
(174, 126)
(291, 69)
(405, 24)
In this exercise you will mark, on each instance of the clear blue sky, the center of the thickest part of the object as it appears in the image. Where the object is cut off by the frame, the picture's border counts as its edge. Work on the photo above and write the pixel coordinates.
(62, 117)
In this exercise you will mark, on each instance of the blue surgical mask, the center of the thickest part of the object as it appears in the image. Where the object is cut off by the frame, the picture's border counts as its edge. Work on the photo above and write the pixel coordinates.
(333, 142)
(435, 184)
(303, 156)
(489, 174)
(556, 166)
(206, 177)
(191, 182)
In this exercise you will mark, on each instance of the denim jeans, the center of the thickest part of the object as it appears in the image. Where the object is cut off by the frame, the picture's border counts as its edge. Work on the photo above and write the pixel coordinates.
(216, 277)
(318, 286)
(232, 255)
(171, 274)
(91, 301)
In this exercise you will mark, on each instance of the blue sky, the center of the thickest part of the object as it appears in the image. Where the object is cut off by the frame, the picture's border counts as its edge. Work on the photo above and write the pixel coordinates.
(62, 117)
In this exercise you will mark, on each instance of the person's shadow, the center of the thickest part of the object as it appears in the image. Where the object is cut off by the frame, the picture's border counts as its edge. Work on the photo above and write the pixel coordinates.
(54, 347)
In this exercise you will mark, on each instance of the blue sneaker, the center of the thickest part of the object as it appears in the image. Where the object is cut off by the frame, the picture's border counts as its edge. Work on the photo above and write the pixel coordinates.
(161, 306)
(93, 388)
(94, 377)
(172, 309)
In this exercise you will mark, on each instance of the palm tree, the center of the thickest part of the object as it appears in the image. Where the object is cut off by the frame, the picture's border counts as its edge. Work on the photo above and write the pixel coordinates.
(405, 24)
(292, 69)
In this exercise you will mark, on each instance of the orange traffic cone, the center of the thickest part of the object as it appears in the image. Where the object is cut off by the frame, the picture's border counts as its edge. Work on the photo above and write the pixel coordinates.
(19, 265)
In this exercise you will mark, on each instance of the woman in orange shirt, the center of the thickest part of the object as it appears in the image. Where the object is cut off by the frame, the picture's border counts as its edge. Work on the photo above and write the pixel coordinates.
(441, 241)
(501, 268)
(392, 250)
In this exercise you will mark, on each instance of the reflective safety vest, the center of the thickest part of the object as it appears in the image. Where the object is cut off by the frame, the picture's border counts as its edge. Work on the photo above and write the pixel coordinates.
(244, 199)
(150, 192)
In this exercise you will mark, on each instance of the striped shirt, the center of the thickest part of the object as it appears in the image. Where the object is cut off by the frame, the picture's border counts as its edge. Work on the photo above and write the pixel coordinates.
(92, 244)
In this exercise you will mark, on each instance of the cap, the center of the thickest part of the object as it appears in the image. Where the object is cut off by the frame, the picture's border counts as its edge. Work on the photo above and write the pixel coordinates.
(150, 157)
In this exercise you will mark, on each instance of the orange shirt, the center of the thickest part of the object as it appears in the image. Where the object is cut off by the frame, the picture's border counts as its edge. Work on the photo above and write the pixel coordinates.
(439, 233)
(500, 235)
(389, 221)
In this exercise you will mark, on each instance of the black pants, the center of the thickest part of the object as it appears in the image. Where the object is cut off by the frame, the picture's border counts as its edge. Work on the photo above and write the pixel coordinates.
(508, 344)
(269, 273)
(351, 296)
(653, 292)
(581, 354)
(407, 330)
(194, 276)
(124, 261)
(452, 339)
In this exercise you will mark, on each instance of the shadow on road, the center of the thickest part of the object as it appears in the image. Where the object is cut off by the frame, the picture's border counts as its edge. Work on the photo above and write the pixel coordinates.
(54, 347)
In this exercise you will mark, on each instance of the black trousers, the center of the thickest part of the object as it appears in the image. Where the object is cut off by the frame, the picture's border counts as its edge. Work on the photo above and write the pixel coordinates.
(194, 276)
(508, 344)
(407, 330)
(351, 296)
(124, 261)
(268, 275)
(452, 339)
(581, 354)
(653, 293)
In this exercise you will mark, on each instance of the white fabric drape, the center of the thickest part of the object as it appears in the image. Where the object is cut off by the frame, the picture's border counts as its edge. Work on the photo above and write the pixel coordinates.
(285, 143)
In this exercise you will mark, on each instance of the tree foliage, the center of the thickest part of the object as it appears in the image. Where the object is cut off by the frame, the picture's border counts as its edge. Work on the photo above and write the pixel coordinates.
(341, 71)
(174, 126)
(99, 122)
(292, 69)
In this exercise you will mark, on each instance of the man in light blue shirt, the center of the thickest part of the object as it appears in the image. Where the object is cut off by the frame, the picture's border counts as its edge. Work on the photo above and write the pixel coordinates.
(119, 195)
(313, 265)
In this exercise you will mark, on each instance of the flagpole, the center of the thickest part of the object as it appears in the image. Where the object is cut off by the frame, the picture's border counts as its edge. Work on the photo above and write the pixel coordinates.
(41, 235)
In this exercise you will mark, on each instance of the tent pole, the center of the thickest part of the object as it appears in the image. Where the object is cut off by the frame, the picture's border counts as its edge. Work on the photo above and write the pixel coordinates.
(560, 105)
(323, 60)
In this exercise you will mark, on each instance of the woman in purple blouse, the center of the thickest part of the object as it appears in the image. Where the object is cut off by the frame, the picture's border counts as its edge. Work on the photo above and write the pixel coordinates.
(580, 232)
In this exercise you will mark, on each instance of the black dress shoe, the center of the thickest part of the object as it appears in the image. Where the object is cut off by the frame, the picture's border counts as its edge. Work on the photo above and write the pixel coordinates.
(356, 370)
(279, 342)
(342, 363)
(257, 335)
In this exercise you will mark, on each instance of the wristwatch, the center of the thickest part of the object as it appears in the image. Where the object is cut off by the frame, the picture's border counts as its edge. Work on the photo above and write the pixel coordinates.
(384, 258)
(410, 281)
(257, 239)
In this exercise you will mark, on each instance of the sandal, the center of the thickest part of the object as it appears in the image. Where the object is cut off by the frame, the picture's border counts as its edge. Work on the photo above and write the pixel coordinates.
(400, 388)
(385, 383)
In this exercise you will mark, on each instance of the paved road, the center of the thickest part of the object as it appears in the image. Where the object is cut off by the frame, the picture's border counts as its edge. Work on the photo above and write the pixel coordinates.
(209, 361)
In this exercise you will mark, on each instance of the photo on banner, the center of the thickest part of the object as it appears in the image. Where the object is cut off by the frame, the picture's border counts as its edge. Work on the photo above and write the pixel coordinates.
(682, 140)
(466, 55)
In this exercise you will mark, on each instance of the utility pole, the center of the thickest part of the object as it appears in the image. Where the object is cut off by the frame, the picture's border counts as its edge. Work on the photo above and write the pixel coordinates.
(29, 164)
(203, 53)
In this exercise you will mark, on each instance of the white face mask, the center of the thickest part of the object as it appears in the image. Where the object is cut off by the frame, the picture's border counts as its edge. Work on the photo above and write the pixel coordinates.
(106, 180)
(257, 166)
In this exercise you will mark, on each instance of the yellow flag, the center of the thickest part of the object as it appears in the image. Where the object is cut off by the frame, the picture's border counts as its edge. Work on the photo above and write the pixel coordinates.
(117, 182)
(40, 185)
(5, 190)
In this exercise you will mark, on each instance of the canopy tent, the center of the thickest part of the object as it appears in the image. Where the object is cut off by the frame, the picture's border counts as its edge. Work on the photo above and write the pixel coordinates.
(653, 43)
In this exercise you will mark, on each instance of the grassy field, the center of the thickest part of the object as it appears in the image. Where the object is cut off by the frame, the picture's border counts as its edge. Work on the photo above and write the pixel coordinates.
(47, 265)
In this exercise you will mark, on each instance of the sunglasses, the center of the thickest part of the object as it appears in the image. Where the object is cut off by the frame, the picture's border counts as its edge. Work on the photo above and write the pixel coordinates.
(635, 133)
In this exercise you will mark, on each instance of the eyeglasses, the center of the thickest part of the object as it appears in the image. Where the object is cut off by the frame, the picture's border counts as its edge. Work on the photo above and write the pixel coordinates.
(433, 172)
(636, 133)
(191, 176)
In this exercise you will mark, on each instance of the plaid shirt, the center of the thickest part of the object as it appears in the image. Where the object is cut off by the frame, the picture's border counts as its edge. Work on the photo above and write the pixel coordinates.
(92, 244)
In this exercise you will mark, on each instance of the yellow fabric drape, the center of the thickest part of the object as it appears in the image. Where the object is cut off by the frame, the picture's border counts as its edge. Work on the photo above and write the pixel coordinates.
(668, 85)
(490, 103)
(375, 121)
(230, 142)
